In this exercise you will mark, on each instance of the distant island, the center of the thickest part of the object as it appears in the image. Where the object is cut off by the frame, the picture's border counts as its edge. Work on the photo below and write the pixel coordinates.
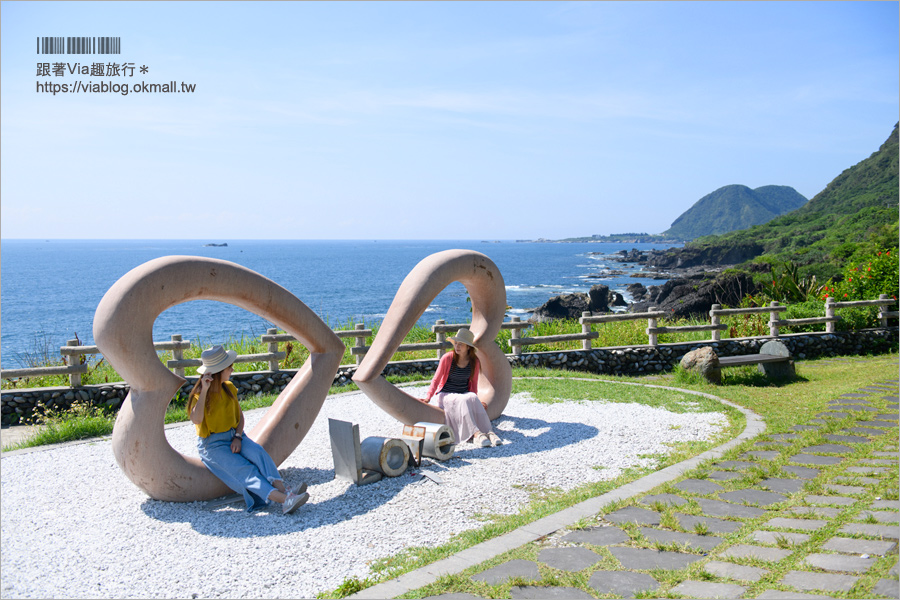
(215, 245)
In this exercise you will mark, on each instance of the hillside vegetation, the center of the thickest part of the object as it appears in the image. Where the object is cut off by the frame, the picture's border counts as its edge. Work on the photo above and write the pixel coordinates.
(734, 207)
(852, 218)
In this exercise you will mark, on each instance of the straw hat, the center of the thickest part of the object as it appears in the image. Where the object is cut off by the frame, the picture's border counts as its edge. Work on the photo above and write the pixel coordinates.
(216, 359)
(464, 336)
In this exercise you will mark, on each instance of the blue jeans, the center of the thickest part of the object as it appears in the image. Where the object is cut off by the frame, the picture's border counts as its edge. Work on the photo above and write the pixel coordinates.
(250, 472)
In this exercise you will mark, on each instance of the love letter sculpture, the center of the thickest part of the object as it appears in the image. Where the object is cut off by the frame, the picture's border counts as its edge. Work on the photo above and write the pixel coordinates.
(482, 279)
(123, 331)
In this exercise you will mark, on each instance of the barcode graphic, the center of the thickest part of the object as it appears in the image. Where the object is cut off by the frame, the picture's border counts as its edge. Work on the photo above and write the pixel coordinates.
(79, 45)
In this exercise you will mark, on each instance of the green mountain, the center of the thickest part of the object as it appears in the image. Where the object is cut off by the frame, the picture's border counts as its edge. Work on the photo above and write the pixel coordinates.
(734, 207)
(856, 213)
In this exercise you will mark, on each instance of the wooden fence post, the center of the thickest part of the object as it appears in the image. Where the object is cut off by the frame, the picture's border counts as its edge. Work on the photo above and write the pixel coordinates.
(360, 342)
(515, 334)
(440, 337)
(773, 319)
(651, 324)
(73, 360)
(882, 310)
(714, 320)
(273, 347)
(177, 354)
(829, 314)
(586, 328)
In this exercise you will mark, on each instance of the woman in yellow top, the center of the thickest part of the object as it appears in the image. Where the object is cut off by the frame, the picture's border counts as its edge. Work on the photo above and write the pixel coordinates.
(242, 464)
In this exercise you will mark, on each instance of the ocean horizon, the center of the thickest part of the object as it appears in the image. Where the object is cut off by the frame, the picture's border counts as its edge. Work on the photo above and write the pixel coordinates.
(51, 287)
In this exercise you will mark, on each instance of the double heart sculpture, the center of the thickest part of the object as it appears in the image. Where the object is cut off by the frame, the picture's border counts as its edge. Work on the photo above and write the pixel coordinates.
(123, 331)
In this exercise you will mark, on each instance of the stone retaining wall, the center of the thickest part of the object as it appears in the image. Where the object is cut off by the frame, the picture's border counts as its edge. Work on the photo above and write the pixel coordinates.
(21, 405)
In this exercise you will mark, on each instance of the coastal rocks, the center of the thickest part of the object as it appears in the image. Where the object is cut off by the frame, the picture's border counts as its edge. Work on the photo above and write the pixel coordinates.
(570, 306)
(705, 362)
(681, 258)
(637, 291)
(688, 297)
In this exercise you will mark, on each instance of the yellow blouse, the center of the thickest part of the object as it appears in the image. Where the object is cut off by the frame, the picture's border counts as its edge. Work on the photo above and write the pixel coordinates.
(222, 411)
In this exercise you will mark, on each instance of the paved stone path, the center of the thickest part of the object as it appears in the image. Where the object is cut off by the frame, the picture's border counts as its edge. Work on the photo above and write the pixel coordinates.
(803, 514)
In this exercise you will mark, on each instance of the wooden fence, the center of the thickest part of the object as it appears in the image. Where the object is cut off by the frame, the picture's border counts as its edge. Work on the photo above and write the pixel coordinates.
(76, 365)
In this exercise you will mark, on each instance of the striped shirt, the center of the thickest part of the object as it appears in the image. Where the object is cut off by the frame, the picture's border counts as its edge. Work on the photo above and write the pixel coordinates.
(457, 380)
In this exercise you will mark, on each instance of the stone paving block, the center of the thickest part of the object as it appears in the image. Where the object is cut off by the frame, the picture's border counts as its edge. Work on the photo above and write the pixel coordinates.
(786, 436)
(664, 499)
(886, 454)
(845, 489)
(877, 424)
(866, 470)
(805, 427)
(622, 583)
(698, 486)
(643, 559)
(632, 514)
(801, 524)
(525, 569)
(715, 508)
(456, 596)
(865, 431)
(569, 559)
(890, 504)
(890, 532)
(858, 407)
(834, 415)
(820, 511)
(770, 443)
(706, 589)
(813, 459)
(857, 479)
(785, 486)
(887, 587)
(894, 570)
(857, 546)
(893, 406)
(828, 449)
(713, 525)
(833, 500)
(882, 516)
(886, 416)
(853, 439)
(829, 582)
(775, 537)
(536, 591)
(780, 595)
(761, 454)
(877, 461)
(704, 542)
(735, 464)
(760, 552)
(802, 472)
(733, 571)
(597, 536)
(724, 475)
(751, 496)
(839, 562)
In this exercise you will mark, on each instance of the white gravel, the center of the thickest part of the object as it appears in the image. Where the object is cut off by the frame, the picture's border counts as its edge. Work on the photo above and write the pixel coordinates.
(73, 526)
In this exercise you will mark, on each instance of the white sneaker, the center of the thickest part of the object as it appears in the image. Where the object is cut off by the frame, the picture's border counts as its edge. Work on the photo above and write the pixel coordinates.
(299, 489)
(495, 439)
(482, 440)
(293, 502)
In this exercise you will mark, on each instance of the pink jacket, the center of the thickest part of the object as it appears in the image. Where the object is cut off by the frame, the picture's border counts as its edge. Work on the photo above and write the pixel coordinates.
(443, 371)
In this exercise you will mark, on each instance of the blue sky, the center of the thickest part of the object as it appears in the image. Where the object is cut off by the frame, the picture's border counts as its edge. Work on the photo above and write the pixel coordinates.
(469, 120)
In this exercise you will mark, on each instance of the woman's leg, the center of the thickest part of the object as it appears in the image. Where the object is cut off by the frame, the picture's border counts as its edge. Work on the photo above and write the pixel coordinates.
(464, 415)
(236, 470)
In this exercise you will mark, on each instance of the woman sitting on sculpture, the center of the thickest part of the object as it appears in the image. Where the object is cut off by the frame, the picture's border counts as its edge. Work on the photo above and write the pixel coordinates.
(455, 384)
(241, 464)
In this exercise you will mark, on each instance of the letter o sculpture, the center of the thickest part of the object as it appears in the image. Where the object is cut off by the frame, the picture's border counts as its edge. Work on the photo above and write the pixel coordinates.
(123, 331)
(486, 288)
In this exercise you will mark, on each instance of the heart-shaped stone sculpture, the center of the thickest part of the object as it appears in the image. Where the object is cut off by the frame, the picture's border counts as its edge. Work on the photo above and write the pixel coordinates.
(123, 331)
(483, 281)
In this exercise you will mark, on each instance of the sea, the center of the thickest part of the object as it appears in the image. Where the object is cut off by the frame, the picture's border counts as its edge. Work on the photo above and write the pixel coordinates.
(49, 289)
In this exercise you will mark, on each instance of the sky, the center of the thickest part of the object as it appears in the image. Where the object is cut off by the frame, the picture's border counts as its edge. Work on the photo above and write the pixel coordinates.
(430, 120)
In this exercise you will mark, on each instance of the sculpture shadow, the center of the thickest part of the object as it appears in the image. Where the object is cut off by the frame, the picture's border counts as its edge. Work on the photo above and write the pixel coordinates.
(531, 436)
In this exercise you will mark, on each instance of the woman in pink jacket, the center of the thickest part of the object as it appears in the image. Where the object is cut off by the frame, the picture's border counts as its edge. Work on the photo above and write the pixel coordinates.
(455, 385)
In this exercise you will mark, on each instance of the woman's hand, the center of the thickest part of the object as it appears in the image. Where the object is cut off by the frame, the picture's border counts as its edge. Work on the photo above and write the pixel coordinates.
(235, 445)
(205, 381)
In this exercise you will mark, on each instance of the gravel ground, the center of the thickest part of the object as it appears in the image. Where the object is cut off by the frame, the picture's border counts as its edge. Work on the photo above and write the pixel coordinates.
(73, 526)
